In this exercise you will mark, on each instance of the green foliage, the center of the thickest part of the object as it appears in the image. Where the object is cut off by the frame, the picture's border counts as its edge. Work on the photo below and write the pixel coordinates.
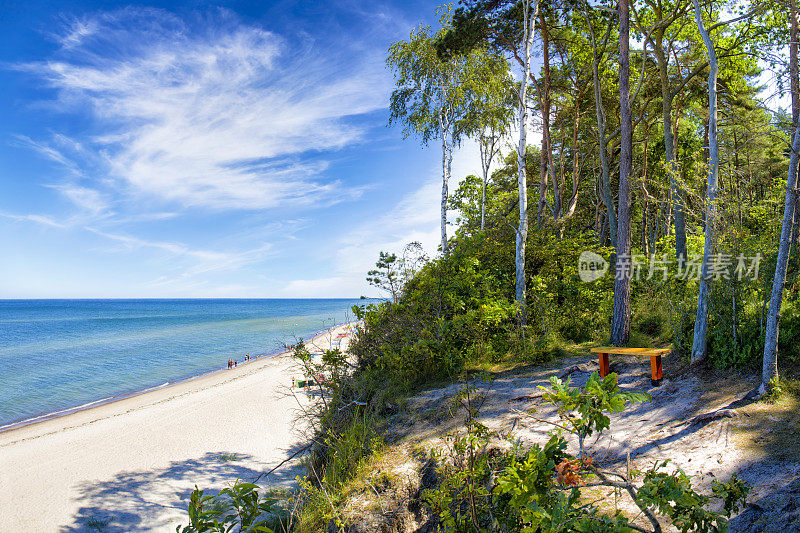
(236, 508)
(385, 276)
(456, 310)
(530, 478)
(585, 410)
(347, 435)
(672, 494)
(538, 490)
(445, 97)
(462, 500)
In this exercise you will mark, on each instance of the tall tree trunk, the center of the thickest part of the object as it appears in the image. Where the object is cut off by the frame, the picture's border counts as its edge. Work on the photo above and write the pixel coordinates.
(645, 194)
(547, 141)
(569, 210)
(484, 157)
(669, 152)
(701, 319)
(447, 160)
(621, 321)
(770, 368)
(522, 183)
(602, 141)
(791, 212)
(487, 144)
(540, 216)
(794, 77)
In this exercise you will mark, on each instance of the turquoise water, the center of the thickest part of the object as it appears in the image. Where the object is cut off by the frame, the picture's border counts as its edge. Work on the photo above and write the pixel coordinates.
(59, 354)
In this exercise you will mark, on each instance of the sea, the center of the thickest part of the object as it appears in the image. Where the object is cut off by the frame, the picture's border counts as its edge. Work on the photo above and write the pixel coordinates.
(60, 355)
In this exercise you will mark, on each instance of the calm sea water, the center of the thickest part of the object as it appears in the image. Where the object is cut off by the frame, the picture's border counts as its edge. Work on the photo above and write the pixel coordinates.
(59, 354)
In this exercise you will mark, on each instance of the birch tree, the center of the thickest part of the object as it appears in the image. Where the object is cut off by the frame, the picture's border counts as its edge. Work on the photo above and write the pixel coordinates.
(769, 374)
(489, 115)
(433, 93)
(529, 18)
(701, 318)
(507, 27)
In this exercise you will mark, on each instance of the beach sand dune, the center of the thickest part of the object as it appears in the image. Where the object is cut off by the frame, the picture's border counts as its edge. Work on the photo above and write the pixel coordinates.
(130, 465)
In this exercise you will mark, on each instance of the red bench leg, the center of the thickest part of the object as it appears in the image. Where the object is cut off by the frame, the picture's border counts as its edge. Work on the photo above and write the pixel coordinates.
(604, 367)
(655, 369)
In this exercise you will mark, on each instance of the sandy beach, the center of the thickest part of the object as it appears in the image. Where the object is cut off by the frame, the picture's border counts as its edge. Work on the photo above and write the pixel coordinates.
(130, 465)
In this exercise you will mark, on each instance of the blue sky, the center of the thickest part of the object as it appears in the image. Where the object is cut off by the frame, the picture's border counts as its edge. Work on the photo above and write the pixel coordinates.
(235, 149)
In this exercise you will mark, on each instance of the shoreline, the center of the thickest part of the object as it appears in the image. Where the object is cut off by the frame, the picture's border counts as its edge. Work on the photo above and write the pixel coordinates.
(125, 395)
(132, 463)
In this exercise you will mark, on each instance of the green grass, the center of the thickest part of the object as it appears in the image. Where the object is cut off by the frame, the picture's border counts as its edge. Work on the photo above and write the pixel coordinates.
(230, 457)
(98, 524)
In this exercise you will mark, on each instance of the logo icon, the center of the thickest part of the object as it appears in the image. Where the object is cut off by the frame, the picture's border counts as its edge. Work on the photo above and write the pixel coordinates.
(591, 266)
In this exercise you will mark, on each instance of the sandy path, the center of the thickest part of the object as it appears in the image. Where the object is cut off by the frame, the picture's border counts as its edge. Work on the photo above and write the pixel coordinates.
(130, 465)
(759, 442)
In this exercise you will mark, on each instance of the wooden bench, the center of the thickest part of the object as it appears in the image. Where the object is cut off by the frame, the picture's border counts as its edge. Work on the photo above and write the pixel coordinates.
(654, 354)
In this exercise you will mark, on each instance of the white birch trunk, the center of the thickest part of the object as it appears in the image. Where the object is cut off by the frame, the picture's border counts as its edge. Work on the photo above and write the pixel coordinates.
(699, 345)
(770, 368)
(484, 167)
(447, 159)
(522, 229)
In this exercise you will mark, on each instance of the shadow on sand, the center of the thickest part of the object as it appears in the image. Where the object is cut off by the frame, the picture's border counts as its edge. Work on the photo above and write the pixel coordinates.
(157, 500)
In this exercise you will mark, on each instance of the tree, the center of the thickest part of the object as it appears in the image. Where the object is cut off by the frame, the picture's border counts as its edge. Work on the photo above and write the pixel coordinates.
(506, 27)
(701, 318)
(386, 276)
(769, 374)
(794, 83)
(489, 113)
(392, 273)
(602, 139)
(655, 36)
(432, 94)
(529, 18)
(621, 321)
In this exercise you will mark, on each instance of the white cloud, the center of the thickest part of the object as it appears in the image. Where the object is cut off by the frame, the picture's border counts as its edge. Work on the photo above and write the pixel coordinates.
(217, 117)
(203, 261)
(416, 217)
(44, 220)
(88, 200)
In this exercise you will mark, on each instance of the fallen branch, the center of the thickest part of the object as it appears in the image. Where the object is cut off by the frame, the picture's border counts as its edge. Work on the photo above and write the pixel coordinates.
(524, 397)
(295, 454)
(628, 486)
(713, 415)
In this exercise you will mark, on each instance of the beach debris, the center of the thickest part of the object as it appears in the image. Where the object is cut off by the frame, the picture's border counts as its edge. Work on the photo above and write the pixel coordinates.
(713, 415)
(527, 397)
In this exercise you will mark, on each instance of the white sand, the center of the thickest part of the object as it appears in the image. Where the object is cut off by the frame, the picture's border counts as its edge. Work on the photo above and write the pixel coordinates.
(130, 465)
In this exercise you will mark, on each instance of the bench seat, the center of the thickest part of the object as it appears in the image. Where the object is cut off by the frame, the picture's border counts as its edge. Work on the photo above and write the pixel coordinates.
(656, 372)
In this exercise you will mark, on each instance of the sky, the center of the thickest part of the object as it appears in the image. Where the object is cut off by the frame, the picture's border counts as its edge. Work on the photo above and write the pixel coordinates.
(208, 149)
(195, 149)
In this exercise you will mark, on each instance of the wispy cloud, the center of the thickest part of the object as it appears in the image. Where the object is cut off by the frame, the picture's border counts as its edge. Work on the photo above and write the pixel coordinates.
(212, 114)
(189, 265)
(43, 220)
